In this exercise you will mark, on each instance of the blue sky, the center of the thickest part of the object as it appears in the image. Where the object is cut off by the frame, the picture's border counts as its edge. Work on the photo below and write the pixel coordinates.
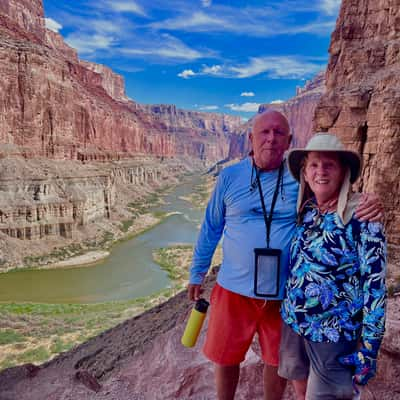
(205, 55)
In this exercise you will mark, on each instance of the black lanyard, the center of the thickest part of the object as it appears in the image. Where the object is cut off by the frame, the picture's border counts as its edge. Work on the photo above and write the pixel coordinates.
(268, 218)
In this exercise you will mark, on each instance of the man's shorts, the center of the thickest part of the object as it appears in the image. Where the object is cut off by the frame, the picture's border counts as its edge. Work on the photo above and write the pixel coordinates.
(234, 320)
(300, 359)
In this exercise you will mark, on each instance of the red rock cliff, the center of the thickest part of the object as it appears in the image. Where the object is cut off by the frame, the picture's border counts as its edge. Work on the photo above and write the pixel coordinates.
(24, 18)
(362, 102)
(55, 106)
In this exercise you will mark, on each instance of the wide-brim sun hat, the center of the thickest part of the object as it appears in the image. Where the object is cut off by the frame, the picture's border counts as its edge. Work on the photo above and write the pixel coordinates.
(325, 142)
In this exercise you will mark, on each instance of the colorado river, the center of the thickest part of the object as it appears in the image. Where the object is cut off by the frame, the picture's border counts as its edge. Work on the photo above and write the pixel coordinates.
(129, 272)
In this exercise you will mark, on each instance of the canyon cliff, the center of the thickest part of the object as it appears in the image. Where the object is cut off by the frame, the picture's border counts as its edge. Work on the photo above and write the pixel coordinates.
(299, 111)
(362, 100)
(76, 113)
(57, 106)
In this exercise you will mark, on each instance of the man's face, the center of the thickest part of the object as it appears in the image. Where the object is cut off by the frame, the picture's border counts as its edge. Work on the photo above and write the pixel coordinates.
(270, 139)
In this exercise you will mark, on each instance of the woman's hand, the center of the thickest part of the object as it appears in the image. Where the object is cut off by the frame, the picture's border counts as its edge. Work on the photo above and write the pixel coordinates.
(363, 363)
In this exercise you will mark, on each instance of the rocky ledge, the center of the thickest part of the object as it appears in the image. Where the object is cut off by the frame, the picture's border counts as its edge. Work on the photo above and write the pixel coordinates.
(143, 359)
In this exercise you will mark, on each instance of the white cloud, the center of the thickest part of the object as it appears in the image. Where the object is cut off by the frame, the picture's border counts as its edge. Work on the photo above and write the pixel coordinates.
(245, 107)
(198, 21)
(208, 108)
(275, 67)
(213, 70)
(278, 101)
(206, 3)
(288, 67)
(102, 26)
(330, 7)
(126, 6)
(247, 94)
(88, 44)
(52, 24)
(166, 47)
(251, 21)
(187, 73)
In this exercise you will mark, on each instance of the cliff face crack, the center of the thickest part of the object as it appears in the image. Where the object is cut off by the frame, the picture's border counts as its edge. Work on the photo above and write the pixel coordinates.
(362, 136)
(21, 80)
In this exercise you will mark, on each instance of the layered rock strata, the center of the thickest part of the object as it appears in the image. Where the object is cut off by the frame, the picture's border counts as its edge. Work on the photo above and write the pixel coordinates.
(299, 111)
(54, 199)
(362, 101)
(57, 106)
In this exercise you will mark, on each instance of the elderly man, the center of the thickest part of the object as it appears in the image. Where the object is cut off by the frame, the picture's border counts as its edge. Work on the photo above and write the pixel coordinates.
(254, 207)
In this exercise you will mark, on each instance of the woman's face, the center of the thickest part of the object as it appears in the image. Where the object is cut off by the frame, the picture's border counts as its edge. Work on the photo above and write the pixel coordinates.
(324, 173)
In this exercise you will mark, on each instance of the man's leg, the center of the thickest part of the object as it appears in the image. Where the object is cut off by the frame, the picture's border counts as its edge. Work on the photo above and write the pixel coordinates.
(226, 378)
(300, 388)
(274, 385)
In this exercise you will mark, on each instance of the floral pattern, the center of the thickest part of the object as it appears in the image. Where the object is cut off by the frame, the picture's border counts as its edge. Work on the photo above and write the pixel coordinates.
(336, 286)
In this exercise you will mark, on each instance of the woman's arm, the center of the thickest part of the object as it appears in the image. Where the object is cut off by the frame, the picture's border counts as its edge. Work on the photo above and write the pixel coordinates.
(372, 256)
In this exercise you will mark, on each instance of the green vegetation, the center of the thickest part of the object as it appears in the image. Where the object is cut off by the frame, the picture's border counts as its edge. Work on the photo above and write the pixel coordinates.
(72, 250)
(8, 336)
(175, 260)
(126, 225)
(35, 333)
(199, 197)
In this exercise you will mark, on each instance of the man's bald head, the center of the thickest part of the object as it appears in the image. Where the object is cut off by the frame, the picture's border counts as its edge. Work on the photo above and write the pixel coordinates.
(268, 114)
(270, 138)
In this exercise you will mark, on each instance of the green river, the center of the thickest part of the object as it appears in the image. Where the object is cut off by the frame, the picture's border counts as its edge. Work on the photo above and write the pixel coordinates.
(128, 273)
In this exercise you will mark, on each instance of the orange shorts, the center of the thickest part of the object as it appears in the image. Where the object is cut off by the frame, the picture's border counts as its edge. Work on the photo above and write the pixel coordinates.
(234, 320)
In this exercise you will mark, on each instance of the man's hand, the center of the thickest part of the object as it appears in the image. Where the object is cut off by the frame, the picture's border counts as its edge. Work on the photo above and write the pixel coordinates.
(370, 208)
(194, 292)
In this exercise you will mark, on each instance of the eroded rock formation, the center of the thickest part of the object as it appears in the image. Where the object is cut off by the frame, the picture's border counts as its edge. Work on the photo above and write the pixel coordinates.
(299, 111)
(54, 105)
(362, 101)
(55, 198)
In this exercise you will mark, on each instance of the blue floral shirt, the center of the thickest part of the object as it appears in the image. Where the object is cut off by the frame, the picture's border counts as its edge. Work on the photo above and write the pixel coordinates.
(336, 286)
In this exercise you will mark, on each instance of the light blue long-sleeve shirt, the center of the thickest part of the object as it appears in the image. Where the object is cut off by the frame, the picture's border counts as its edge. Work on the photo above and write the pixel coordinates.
(234, 212)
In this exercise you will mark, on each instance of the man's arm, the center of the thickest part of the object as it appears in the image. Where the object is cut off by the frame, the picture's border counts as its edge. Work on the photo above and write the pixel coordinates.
(209, 236)
(370, 208)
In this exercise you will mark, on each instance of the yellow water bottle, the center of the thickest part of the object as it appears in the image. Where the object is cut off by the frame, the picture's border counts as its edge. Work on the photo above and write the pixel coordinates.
(195, 322)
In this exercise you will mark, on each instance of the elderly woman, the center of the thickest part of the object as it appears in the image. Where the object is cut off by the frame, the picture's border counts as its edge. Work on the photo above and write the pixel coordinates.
(334, 308)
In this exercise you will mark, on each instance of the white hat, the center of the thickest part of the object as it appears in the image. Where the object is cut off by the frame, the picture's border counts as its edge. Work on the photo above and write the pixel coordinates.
(329, 143)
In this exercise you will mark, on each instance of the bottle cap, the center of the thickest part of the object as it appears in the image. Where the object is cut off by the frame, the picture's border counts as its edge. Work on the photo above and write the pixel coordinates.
(201, 305)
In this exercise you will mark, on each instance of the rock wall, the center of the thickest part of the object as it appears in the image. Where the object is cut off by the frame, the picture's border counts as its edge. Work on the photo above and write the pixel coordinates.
(362, 101)
(210, 134)
(112, 83)
(299, 111)
(55, 200)
(23, 18)
(53, 105)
